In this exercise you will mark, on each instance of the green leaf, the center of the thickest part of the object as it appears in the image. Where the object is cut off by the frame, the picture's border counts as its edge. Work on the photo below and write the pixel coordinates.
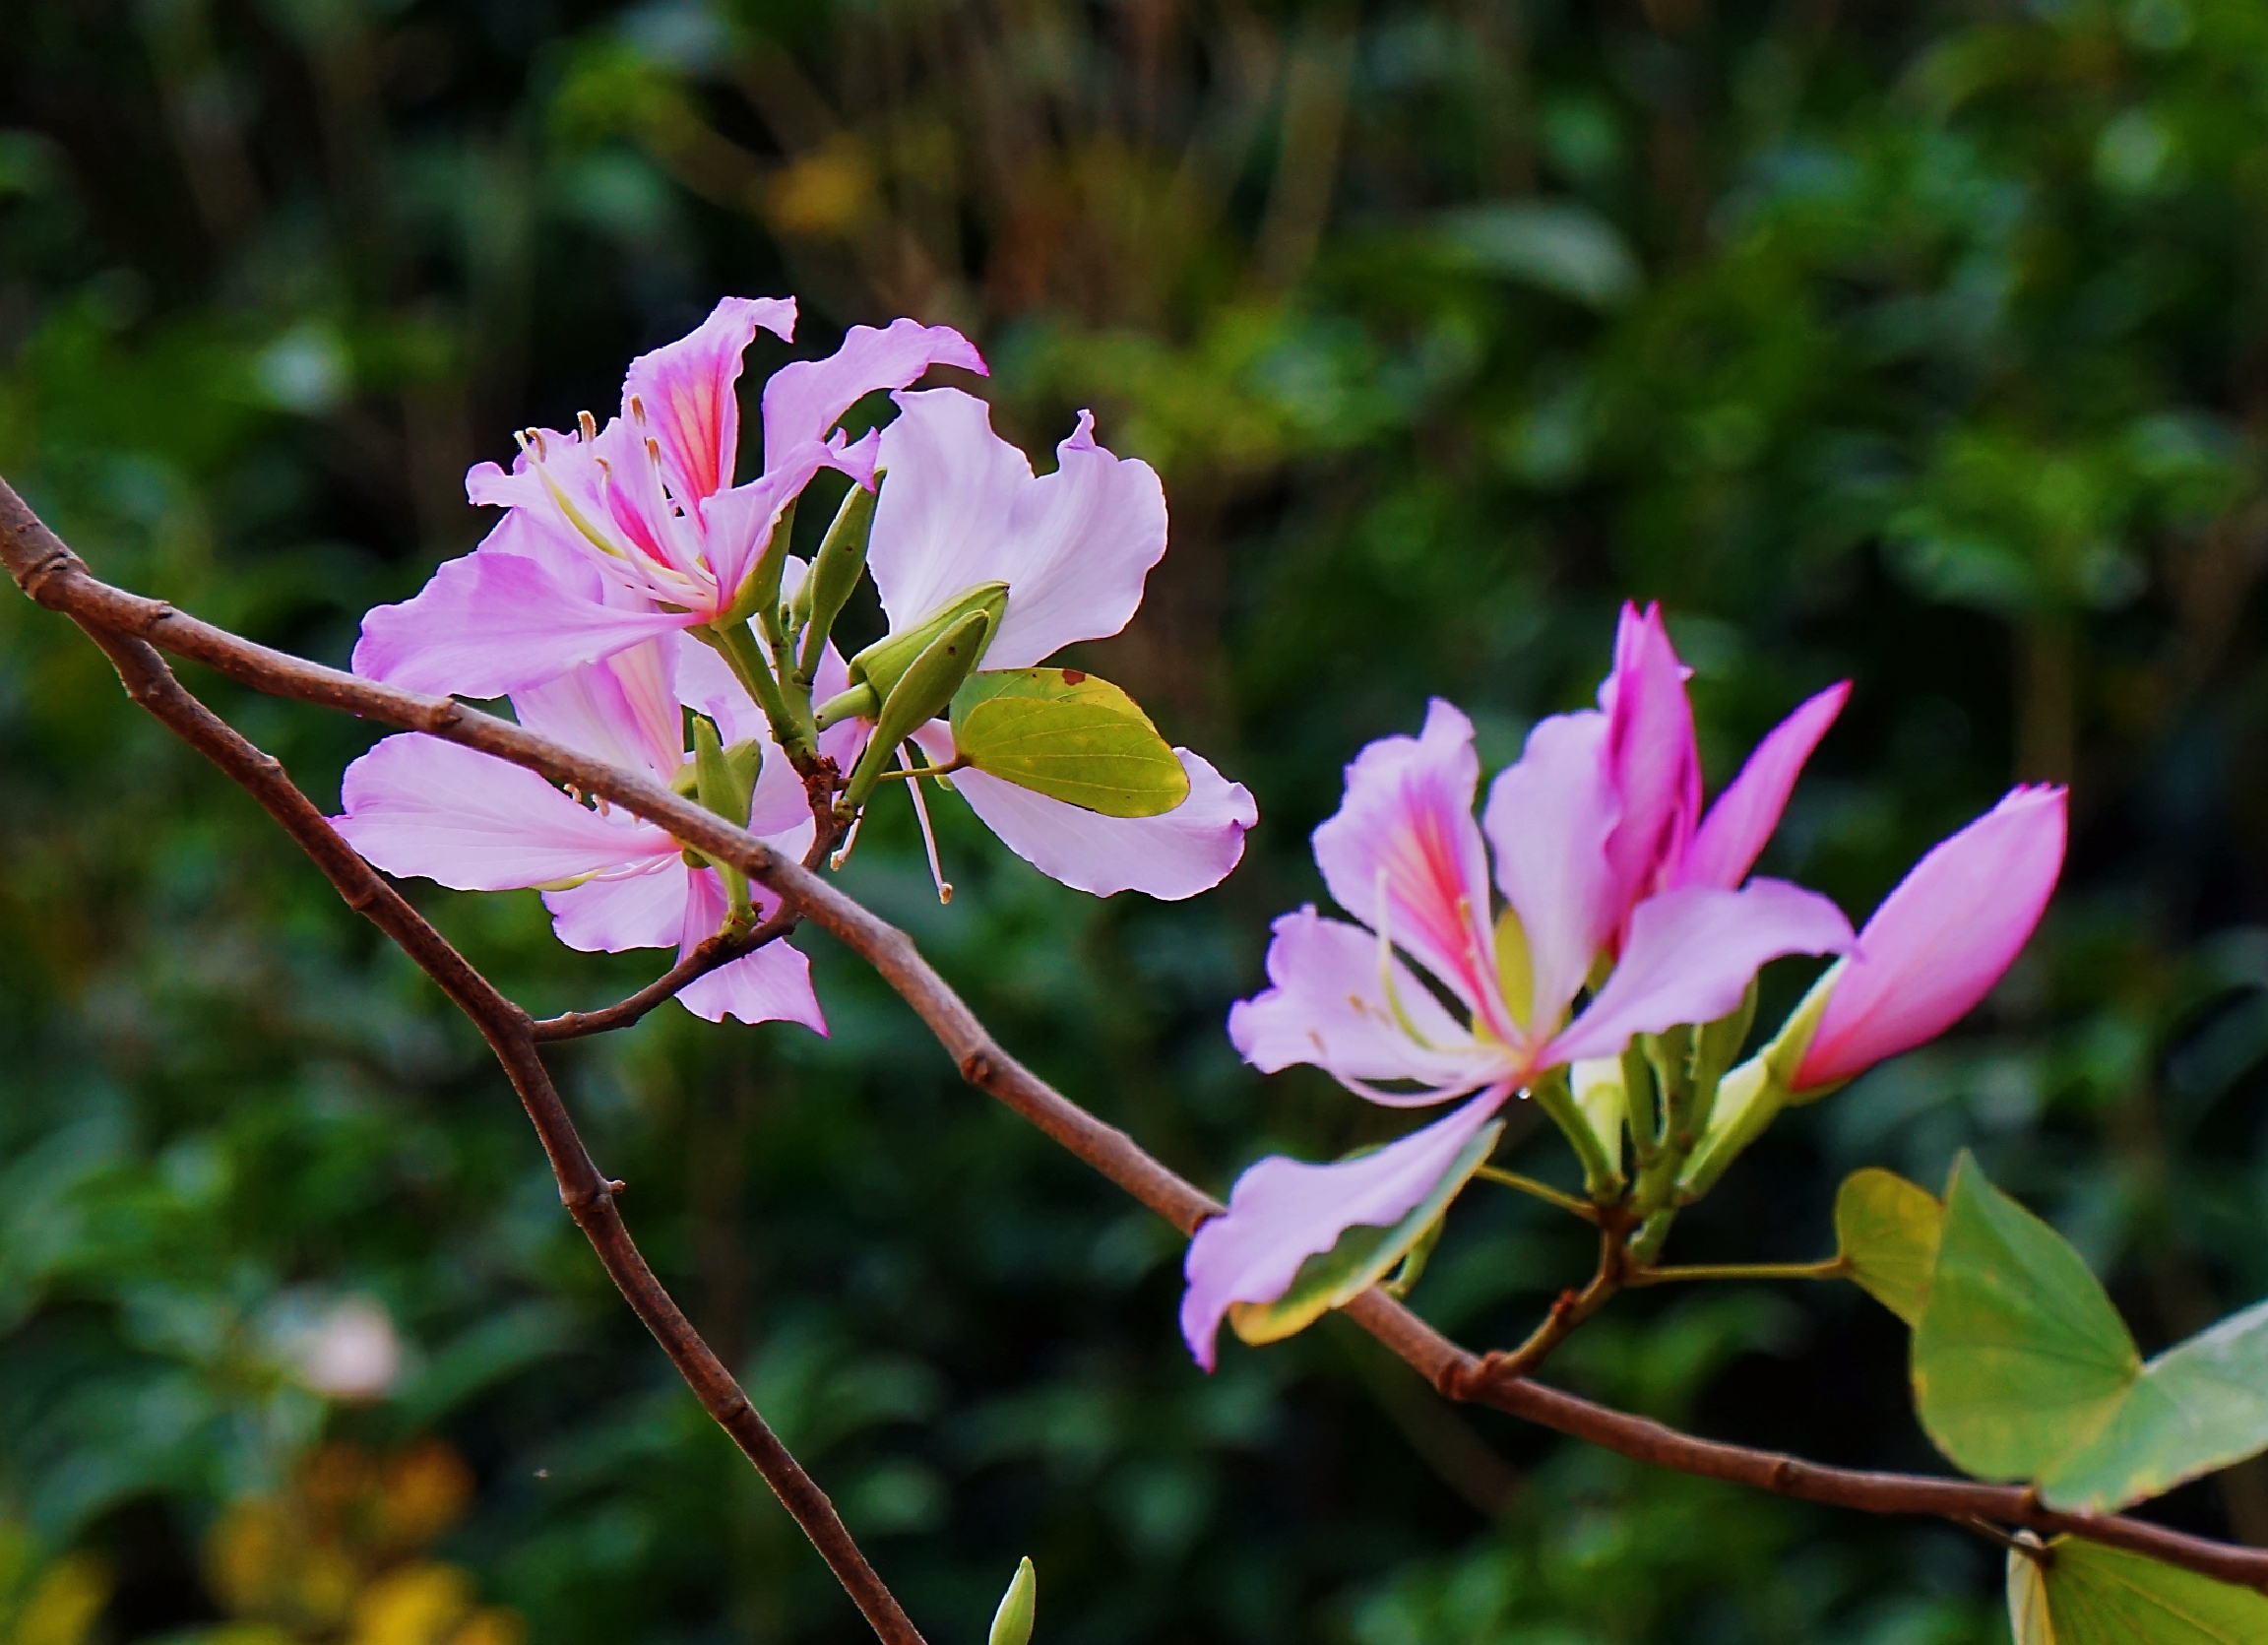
(1018, 1608)
(2197, 1406)
(2018, 1356)
(1070, 737)
(2086, 1594)
(1887, 1229)
(1360, 1259)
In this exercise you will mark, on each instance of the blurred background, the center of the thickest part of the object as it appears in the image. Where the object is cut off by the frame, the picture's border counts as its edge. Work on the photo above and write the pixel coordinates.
(1922, 343)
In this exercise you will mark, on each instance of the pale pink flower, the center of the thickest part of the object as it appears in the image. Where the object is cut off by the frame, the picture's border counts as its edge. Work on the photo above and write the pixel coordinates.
(962, 507)
(1404, 856)
(1942, 940)
(417, 805)
(617, 535)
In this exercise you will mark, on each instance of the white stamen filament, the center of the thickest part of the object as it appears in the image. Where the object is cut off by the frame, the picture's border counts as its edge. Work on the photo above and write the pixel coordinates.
(849, 840)
(928, 837)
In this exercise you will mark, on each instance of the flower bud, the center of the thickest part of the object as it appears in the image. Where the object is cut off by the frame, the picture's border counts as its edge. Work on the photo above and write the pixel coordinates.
(834, 572)
(922, 693)
(1018, 1608)
(882, 664)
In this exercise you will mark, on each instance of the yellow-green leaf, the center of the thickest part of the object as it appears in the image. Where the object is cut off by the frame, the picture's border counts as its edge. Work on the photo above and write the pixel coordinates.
(1068, 736)
(2018, 1356)
(2086, 1594)
(1360, 1259)
(1886, 1230)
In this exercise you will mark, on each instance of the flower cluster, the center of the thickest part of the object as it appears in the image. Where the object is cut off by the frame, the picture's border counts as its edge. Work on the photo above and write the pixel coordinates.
(636, 604)
(1628, 920)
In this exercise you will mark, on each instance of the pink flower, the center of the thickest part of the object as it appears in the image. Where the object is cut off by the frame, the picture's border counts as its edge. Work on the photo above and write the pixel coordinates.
(962, 507)
(613, 535)
(420, 807)
(1404, 855)
(1942, 939)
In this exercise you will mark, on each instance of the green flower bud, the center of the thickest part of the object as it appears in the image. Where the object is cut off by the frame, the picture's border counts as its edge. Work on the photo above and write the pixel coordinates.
(923, 692)
(882, 664)
(834, 573)
(1018, 1608)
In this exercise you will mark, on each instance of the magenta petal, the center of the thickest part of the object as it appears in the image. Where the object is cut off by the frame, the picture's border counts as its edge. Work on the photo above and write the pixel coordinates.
(738, 523)
(685, 389)
(489, 624)
(641, 910)
(772, 985)
(1402, 846)
(1188, 849)
(1650, 744)
(1549, 817)
(805, 398)
(623, 710)
(1938, 943)
(1281, 1212)
(951, 486)
(1327, 1005)
(418, 805)
(1732, 836)
(1689, 955)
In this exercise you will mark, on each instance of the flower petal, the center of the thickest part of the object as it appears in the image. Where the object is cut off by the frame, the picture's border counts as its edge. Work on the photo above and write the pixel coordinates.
(772, 985)
(417, 805)
(1281, 1212)
(1548, 818)
(951, 486)
(1075, 551)
(491, 624)
(1188, 849)
(1938, 943)
(641, 910)
(1403, 846)
(1650, 745)
(739, 521)
(805, 398)
(623, 710)
(1327, 1005)
(1732, 836)
(1690, 955)
(685, 389)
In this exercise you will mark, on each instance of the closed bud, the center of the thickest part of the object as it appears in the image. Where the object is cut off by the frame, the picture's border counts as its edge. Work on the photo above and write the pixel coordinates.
(1018, 1608)
(922, 692)
(834, 572)
(882, 664)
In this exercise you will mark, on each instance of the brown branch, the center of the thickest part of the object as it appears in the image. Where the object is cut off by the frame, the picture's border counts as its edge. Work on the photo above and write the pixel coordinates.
(588, 1195)
(53, 576)
(711, 954)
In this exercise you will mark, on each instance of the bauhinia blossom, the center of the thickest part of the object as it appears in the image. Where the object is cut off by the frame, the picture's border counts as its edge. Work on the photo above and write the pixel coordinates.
(1592, 832)
(617, 535)
(1940, 940)
(417, 805)
(961, 508)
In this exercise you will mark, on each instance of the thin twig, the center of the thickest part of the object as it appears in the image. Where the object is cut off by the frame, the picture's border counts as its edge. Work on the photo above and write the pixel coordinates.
(1544, 1192)
(55, 577)
(1833, 1268)
(590, 1197)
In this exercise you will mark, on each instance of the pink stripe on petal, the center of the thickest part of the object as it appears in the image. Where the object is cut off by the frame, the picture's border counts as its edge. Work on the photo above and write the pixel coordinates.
(1406, 829)
(685, 389)
(1690, 955)
(417, 805)
(805, 398)
(1942, 940)
(1281, 1212)
(1733, 834)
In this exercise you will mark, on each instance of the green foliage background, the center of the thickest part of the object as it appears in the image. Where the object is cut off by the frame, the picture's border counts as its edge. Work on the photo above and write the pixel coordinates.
(1924, 343)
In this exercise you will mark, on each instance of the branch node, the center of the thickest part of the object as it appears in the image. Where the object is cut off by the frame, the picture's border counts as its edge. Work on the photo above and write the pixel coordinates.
(976, 1067)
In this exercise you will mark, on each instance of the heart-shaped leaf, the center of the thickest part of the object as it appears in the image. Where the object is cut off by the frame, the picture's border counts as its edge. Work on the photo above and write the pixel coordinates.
(2085, 1594)
(1887, 1231)
(1070, 737)
(2018, 1356)
(1361, 1258)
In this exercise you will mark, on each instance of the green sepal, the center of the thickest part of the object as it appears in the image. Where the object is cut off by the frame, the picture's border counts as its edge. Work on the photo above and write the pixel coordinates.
(2074, 1592)
(761, 591)
(1887, 1232)
(1069, 736)
(725, 779)
(1018, 1608)
(1361, 1258)
(834, 574)
(884, 663)
(922, 693)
